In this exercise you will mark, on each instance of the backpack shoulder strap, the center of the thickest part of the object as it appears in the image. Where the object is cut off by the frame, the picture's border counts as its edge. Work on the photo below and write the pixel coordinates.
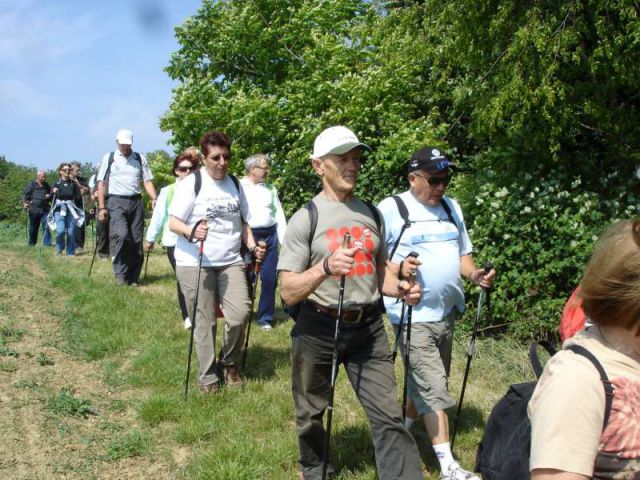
(313, 220)
(109, 163)
(235, 181)
(608, 387)
(198, 184)
(447, 210)
(374, 213)
(404, 213)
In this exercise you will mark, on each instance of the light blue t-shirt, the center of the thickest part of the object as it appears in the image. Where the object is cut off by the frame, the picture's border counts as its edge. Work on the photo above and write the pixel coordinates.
(439, 245)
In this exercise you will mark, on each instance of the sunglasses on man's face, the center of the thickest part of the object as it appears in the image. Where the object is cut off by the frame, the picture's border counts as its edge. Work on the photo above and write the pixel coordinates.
(64, 169)
(221, 156)
(185, 169)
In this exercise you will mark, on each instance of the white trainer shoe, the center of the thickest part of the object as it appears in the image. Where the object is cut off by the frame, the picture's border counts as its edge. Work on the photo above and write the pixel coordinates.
(456, 472)
(187, 323)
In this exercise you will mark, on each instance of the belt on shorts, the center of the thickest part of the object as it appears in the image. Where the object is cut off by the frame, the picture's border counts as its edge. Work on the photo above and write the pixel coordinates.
(352, 315)
(137, 196)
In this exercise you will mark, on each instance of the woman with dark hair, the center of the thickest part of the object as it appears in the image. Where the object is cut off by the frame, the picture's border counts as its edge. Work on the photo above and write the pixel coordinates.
(183, 165)
(66, 214)
(571, 440)
(210, 208)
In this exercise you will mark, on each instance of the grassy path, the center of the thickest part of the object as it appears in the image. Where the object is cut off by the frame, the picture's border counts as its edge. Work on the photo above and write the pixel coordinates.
(91, 383)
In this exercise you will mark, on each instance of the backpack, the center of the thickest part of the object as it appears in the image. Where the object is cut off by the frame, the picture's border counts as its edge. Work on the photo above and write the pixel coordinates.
(404, 213)
(503, 453)
(294, 309)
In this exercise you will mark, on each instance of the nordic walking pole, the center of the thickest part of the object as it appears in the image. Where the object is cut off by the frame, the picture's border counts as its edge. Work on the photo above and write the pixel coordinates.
(404, 306)
(471, 350)
(195, 310)
(146, 264)
(263, 244)
(407, 347)
(334, 367)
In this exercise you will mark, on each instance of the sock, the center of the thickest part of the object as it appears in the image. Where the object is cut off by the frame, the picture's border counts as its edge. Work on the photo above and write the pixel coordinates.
(408, 422)
(443, 452)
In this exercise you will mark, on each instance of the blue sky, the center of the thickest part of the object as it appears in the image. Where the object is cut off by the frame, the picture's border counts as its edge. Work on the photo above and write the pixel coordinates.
(74, 72)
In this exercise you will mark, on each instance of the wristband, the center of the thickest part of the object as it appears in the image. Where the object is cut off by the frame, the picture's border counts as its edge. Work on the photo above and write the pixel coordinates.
(325, 266)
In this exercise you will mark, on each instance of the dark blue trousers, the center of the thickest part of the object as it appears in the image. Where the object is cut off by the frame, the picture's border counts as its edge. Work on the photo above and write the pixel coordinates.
(268, 274)
(35, 220)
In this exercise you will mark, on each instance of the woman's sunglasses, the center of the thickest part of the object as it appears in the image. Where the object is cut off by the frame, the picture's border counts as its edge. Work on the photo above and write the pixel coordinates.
(185, 169)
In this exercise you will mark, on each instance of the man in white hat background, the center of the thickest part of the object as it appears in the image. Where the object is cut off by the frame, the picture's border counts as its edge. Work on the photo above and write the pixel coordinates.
(310, 274)
(119, 177)
(438, 235)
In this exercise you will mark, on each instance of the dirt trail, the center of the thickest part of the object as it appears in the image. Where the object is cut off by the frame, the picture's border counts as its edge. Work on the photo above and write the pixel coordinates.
(36, 440)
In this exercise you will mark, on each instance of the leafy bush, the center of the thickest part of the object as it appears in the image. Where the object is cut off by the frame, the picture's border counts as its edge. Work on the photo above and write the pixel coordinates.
(539, 231)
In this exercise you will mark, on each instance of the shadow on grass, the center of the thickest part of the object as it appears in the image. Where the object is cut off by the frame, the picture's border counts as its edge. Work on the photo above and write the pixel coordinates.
(262, 362)
(352, 449)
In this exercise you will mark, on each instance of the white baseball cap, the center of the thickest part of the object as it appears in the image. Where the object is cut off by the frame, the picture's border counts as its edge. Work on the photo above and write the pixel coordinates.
(336, 140)
(124, 137)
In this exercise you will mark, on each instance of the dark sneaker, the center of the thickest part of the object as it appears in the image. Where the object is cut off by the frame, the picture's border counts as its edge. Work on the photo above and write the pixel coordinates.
(232, 376)
(212, 388)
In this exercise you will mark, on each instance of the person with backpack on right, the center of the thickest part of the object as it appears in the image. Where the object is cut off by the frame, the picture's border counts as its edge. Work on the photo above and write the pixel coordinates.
(425, 221)
(209, 209)
(585, 423)
(118, 179)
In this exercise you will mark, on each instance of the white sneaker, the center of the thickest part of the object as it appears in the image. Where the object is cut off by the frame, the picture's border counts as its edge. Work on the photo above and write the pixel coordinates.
(187, 323)
(266, 327)
(456, 472)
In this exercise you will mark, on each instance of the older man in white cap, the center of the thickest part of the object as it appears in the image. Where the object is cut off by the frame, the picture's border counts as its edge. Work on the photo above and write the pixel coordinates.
(312, 261)
(119, 178)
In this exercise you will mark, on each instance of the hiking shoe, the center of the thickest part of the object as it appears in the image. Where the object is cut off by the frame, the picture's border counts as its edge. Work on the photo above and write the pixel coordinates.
(232, 376)
(456, 472)
(187, 323)
(266, 327)
(212, 388)
(120, 281)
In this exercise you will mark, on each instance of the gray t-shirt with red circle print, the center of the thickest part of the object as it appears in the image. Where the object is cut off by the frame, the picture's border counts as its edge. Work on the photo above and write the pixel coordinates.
(334, 220)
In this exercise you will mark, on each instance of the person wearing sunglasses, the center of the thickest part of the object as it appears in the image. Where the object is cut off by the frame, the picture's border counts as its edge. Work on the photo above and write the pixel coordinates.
(434, 228)
(66, 214)
(268, 223)
(183, 165)
(209, 210)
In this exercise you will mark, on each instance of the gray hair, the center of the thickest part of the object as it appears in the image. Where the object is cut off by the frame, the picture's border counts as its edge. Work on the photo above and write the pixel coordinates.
(253, 160)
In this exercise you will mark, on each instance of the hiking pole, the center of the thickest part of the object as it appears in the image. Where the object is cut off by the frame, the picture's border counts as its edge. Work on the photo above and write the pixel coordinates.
(195, 310)
(334, 367)
(471, 350)
(95, 248)
(146, 264)
(407, 347)
(396, 345)
(263, 244)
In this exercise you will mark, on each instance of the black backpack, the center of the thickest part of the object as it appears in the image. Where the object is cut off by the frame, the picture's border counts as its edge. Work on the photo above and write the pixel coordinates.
(503, 453)
(294, 309)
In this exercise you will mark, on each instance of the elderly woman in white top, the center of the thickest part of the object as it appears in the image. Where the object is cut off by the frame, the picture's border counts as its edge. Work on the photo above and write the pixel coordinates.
(183, 165)
(268, 223)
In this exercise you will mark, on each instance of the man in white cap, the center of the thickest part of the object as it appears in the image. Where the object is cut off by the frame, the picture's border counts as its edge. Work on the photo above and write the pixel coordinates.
(119, 178)
(312, 261)
(425, 221)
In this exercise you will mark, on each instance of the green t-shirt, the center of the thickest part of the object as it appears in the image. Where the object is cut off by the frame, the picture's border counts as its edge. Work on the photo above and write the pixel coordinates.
(334, 220)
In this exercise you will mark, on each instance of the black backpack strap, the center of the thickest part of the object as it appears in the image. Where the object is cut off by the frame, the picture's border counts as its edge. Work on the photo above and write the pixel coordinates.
(447, 210)
(374, 213)
(313, 223)
(533, 355)
(198, 183)
(404, 213)
(608, 387)
(235, 181)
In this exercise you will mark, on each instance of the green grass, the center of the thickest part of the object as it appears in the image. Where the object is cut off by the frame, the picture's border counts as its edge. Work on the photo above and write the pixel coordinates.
(65, 402)
(136, 345)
